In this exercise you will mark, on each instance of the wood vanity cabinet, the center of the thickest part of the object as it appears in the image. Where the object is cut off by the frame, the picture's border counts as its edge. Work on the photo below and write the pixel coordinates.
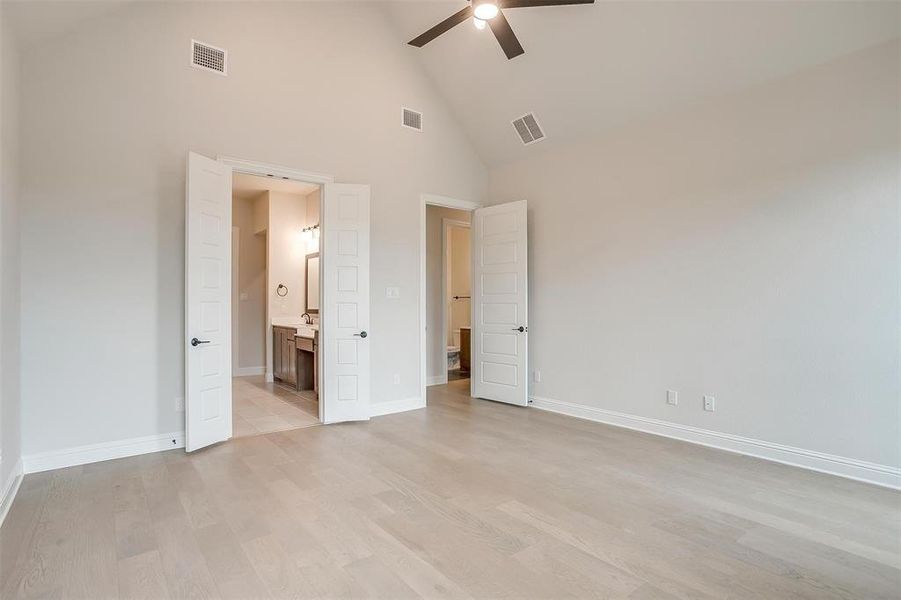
(284, 359)
(307, 363)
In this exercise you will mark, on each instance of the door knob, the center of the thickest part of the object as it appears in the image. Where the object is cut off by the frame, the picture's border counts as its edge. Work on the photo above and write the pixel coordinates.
(520, 329)
(362, 334)
(196, 342)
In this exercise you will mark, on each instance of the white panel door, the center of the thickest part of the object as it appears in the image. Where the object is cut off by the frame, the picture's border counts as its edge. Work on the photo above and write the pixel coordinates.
(208, 230)
(500, 304)
(345, 303)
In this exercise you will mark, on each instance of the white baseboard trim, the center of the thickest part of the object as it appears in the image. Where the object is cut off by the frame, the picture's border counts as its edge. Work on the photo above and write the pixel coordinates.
(850, 468)
(396, 406)
(436, 380)
(248, 371)
(270, 377)
(10, 489)
(82, 455)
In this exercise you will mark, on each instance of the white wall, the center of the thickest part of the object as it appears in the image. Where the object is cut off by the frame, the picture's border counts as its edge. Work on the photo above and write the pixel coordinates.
(105, 136)
(10, 399)
(250, 311)
(436, 348)
(748, 248)
(287, 251)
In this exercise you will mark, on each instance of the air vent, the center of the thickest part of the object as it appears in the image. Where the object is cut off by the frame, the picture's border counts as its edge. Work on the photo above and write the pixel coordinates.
(411, 118)
(528, 129)
(208, 58)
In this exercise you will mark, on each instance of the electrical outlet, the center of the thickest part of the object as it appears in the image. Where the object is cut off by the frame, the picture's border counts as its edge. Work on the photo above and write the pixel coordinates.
(709, 403)
(396, 379)
(536, 376)
(672, 397)
(179, 405)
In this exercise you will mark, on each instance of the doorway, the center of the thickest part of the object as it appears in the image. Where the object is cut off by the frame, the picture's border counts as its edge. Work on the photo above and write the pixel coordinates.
(498, 306)
(456, 317)
(343, 373)
(275, 304)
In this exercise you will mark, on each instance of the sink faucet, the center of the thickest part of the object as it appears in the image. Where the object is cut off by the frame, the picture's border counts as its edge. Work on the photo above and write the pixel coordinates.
(307, 318)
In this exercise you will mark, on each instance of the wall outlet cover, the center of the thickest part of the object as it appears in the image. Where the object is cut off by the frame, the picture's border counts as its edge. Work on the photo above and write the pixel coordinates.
(179, 405)
(536, 376)
(672, 397)
(392, 292)
(709, 403)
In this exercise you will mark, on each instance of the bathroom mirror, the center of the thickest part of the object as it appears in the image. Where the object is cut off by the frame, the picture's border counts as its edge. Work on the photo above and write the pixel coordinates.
(312, 283)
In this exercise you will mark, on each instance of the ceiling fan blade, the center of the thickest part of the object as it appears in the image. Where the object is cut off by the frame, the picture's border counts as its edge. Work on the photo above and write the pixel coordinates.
(505, 36)
(531, 3)
(442, 27)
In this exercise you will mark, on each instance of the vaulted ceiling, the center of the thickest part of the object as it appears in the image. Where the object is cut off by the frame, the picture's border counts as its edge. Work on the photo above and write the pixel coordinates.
(591, 68)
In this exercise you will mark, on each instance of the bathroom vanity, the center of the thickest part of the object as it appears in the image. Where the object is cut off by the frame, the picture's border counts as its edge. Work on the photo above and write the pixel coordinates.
(295, 356)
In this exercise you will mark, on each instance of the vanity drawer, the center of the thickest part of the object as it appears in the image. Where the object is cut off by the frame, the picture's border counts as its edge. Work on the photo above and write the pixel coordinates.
(303, 343)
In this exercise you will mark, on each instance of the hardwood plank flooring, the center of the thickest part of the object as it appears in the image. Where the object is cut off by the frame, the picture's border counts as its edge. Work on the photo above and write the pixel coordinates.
(465, 499)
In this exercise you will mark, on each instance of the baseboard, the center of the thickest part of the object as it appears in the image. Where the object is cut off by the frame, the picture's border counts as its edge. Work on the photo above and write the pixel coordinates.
(248, 371)
(396, 406)
(82, 455)
(10, 489)
(436, 380)
(270, 377)
(850, 468)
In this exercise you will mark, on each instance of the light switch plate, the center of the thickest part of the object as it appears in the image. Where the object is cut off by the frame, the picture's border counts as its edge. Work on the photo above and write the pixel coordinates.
(672, 397)
(392, 292)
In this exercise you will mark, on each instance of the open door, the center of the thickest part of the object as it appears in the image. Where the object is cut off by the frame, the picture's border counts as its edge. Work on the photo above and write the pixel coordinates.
(500, 304)
(208, 229)
(345, 303)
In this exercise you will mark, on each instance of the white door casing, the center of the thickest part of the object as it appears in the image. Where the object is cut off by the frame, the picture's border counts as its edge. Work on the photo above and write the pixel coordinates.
(208, 230)
(500, 303)
(345, 339)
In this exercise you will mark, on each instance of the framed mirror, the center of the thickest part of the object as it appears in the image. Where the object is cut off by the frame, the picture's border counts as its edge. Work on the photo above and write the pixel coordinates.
(311, 284)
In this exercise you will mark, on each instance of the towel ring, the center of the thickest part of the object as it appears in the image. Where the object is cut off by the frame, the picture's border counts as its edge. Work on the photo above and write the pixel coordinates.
(279, 289)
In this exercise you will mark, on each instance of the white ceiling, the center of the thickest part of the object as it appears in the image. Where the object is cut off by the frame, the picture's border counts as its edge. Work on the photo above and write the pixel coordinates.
(591, 68)
(249, 186)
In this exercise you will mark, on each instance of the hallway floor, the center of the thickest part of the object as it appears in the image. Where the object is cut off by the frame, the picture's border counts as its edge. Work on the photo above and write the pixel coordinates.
(261, 407)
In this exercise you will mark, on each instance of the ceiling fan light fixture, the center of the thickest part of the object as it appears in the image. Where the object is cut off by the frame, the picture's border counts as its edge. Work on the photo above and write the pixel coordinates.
(484, 9)
(479, 23)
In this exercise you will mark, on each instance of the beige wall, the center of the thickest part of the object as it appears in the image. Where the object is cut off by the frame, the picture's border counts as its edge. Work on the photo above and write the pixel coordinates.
(10, 398)
(103, 229)
(251, 307)
(459, 257)
(436, 348)
(748, 248)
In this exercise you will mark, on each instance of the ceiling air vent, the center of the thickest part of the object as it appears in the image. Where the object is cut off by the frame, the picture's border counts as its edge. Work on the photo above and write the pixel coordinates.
(528, 130)
(208, 58)
(411, 118)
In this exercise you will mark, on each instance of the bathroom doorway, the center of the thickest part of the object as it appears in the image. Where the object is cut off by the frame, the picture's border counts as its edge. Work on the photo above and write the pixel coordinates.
(457, 318)
(275, 299)
(448, 287)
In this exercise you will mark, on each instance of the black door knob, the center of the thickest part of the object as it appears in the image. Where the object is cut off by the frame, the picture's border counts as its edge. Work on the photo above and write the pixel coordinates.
(519, 329)
(196, 342)
(362, 334)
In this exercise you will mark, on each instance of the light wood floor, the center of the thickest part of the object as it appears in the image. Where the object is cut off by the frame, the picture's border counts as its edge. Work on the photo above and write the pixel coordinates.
(466, 498)
(261, 407)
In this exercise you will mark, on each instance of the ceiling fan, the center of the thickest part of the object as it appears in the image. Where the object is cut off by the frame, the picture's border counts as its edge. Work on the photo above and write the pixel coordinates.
(489, 12)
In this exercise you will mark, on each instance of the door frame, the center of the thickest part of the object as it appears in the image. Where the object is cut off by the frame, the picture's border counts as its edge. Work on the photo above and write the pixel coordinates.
(426, 200)
(251, 167)
(446, 225)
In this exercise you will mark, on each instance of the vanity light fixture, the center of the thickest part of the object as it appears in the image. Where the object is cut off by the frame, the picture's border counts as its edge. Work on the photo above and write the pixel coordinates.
(311, 232)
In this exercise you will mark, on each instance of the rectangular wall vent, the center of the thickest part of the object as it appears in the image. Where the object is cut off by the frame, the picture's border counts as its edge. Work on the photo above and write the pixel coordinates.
(209, 58)
(411, 118)
(528, 129)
